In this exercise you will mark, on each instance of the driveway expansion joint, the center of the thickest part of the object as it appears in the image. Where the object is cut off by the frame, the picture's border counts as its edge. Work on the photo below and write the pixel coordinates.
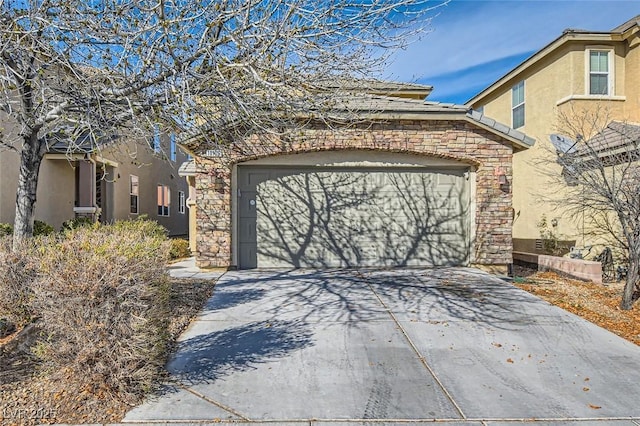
(421, 357)
(216, 403)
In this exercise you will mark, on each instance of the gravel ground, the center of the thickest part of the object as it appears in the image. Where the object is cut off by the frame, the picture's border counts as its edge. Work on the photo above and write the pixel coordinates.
(31, 394)
(598, 303)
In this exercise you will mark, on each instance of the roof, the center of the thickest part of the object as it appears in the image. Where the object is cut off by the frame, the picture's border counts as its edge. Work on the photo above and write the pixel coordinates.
(614, 139)
(627, 25)
(362, 105)
(570, 34)
(188, 168)
(373, 106)
(380, 87)
(85, 143)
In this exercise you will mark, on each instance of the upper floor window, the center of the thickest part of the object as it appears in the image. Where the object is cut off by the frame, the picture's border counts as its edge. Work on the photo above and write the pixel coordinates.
(157, 147)
(600, 72)
(517, 105)
(173, 147)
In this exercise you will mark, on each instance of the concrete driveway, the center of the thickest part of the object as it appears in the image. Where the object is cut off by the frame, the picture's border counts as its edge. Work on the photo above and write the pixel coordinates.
(453, 345)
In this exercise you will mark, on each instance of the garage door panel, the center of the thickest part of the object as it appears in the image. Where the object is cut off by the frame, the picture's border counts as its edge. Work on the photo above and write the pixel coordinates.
(337, 217)
(247, 204)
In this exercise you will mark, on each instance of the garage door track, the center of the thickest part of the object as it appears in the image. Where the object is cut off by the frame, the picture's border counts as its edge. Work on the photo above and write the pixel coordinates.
(412, 346)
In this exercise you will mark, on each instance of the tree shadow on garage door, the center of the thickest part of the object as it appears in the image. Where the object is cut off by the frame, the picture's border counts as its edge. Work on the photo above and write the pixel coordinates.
(359, 218)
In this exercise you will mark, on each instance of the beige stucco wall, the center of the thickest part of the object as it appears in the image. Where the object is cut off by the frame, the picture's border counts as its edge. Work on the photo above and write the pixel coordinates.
(557, 84)
(152, 170)
(193, 221)
(56, 188)
(632, 80)
(7, 190)
(55, 199)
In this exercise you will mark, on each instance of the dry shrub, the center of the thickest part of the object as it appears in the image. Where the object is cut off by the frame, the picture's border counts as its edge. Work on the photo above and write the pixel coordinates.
(179, 248)
(102, 294)
(17, 272)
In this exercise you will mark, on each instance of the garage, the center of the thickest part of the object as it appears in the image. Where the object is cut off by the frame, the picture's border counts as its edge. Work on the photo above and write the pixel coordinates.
(395, 181)
(347, 216)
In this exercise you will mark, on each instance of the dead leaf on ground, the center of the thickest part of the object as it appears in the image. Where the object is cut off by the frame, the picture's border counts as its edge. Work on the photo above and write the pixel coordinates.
(597, 303)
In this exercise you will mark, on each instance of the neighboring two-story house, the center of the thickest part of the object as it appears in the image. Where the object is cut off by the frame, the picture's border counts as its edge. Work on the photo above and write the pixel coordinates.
(579, 75)
(122, 180)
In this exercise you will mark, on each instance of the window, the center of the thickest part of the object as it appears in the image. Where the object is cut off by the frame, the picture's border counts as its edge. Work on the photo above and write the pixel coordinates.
(164, 200)
(134, 191)
(157, 146)
(173, 147)
(517, 105)
(181, 202)
(599, 64)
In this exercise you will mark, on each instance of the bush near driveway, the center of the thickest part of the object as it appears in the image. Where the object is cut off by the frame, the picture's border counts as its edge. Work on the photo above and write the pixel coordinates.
(17, 273)
(101, 297)
(179, 248)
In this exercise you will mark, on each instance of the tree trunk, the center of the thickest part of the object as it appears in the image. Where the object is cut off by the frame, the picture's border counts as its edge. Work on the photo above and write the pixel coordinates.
(633, 280)
(30, 160)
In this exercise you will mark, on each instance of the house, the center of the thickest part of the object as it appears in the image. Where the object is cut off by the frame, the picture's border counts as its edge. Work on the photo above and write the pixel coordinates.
(581, 80)
(409, 183)
(120, 180)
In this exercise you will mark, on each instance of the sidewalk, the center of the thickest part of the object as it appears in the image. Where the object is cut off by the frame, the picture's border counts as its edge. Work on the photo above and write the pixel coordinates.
(187, 269)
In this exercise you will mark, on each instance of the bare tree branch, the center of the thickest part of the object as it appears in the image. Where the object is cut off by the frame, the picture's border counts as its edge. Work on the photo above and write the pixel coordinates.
(601, 180)
(72, 67)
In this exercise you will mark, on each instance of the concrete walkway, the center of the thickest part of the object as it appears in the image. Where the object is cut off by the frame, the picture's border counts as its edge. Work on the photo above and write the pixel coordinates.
(454, 345)
(187, 269)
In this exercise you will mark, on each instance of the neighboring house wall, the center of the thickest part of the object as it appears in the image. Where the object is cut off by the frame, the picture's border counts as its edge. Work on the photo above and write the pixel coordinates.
(152, 169)
(57, 193)
(55, 196)
(557, 82)
(484, 152)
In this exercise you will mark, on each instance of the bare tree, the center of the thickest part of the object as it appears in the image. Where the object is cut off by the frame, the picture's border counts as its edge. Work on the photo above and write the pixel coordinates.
(95, 71)
(601, 173)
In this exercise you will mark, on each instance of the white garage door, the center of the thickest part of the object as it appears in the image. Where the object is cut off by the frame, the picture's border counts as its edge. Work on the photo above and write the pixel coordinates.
(343, 217)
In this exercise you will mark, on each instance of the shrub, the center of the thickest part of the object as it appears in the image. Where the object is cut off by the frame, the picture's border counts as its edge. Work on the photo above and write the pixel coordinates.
(179, 248)
(17, 272)
(42, 228)
(77, 222)
(5, 229)
(39, 228)
(102, 293)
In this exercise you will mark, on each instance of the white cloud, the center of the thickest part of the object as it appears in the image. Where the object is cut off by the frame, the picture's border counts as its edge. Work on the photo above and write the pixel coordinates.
(473, 32)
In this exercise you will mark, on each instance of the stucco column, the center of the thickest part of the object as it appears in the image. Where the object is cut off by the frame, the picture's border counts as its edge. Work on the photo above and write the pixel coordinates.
(86, 190)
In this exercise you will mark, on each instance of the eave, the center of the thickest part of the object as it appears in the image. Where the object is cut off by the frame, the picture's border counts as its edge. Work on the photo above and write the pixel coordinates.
(567, 37)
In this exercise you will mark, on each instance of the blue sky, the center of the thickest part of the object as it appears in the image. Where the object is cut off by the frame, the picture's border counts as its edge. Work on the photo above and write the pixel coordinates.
(474, 42)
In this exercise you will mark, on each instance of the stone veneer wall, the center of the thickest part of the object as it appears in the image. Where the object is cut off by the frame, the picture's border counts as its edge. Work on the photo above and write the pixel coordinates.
(460, 140)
